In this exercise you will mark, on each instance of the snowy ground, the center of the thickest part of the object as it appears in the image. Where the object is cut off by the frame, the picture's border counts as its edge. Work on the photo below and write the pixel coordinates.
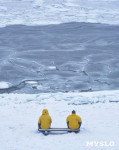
(19, 115)
(36, 12)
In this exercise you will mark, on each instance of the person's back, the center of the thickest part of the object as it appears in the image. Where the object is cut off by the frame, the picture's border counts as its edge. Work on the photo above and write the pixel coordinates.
(45, 120)
(74, 121)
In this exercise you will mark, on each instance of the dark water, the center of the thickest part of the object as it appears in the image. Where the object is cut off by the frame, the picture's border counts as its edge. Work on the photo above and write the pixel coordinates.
(59, 58)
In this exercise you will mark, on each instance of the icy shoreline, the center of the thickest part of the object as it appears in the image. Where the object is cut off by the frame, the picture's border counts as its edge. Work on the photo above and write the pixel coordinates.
(71, 98)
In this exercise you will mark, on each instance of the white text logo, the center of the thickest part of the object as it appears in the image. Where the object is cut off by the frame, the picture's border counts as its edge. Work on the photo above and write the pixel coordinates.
(100, 143)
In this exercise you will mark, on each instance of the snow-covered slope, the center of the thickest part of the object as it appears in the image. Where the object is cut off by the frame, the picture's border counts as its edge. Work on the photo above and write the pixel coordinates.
(35, 12)
(19, 115)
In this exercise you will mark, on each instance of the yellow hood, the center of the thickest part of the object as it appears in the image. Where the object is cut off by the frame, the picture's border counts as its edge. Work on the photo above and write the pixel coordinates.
(45, 112)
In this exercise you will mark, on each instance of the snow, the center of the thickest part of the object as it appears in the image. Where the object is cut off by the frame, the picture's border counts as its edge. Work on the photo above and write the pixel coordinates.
(38, 12)
(52, 67)
(31, 82)
(4, 85)
(19, 115)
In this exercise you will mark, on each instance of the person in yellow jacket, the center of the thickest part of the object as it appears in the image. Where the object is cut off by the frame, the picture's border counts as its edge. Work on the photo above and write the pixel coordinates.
(74, 121)
(45, 120)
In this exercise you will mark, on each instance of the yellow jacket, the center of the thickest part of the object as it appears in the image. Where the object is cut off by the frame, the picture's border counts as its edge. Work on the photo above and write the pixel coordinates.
(73, 121)
(45, 120)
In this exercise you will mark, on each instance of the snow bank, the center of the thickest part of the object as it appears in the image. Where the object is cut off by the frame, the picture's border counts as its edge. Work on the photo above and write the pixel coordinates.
(37, 12)
(70, 98)
(19, 115)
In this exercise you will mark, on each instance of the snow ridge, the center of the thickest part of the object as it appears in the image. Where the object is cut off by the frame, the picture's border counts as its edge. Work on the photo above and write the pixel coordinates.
(69, 98)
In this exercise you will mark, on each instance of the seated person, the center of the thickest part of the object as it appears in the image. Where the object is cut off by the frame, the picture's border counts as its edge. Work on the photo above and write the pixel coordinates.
(45, 120)
(74, 121)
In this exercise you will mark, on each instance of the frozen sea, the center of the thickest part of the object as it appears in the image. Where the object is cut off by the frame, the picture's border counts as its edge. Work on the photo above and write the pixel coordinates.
(73, 57)
(35, 12)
